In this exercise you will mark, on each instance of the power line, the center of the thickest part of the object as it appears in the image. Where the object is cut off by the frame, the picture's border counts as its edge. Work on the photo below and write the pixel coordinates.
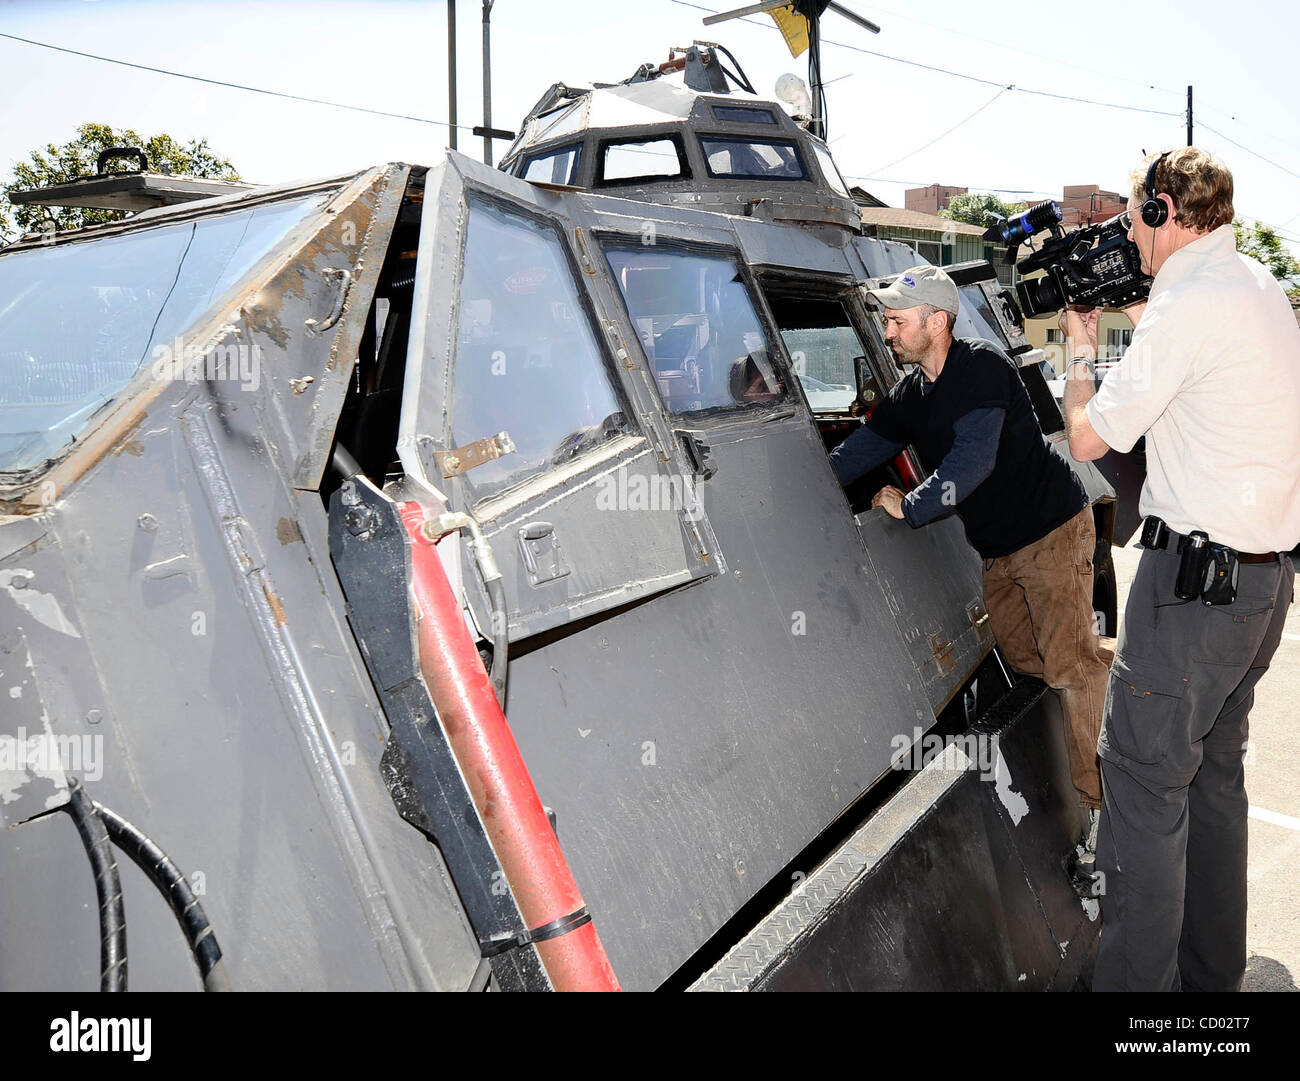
(954, 74)
(1276, 229)
(234, 86)
(442, 123)
(1026, 52)
(1249, 127)
(1247, 149)
(882, 168)
(975, 187)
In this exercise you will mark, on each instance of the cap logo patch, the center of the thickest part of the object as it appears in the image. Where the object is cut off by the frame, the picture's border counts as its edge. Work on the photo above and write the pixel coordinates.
(908, 281)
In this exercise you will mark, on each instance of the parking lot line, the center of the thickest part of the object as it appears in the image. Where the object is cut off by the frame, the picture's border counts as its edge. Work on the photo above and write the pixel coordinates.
(1275, 818)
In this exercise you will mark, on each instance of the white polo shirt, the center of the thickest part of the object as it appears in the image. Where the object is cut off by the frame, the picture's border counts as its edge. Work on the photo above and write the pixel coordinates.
(1212, 378)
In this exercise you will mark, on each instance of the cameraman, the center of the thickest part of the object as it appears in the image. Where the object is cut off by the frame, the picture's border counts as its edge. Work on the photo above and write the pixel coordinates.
(1212, 378)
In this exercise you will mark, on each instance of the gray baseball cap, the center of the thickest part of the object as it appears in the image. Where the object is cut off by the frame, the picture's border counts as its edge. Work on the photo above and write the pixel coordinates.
(919, 285)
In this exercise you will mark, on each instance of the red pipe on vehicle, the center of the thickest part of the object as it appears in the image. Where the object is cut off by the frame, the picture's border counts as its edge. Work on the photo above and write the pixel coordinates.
(498, 779)
(911, 476)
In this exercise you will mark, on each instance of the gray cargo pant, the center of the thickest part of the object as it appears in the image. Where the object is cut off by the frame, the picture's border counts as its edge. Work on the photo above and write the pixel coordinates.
(1172, 839)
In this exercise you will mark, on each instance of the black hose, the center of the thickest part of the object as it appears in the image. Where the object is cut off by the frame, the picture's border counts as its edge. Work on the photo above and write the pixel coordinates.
(344, 464)
(170, 882)
(500, 640)
(86, 813)
(739, 77)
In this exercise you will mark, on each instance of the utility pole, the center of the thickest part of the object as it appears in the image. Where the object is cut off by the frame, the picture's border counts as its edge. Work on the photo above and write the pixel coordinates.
(451, 73)
(486, 130)
(487, 81)
(1189, 116)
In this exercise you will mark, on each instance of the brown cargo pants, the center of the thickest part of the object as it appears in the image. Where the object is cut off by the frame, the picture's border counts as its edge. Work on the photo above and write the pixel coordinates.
(1039, 601)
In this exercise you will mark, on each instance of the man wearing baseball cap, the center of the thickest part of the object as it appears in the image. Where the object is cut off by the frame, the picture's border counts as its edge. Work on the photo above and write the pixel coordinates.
(962, 405)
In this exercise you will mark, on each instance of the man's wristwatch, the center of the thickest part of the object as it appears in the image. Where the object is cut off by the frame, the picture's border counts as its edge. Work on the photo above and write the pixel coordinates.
(1092, 365)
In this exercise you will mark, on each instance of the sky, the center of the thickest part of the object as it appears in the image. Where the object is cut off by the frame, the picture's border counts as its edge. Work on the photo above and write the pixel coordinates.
(893, 123)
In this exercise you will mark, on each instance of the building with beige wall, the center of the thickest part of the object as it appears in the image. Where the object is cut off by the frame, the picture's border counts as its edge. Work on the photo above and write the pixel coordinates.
(1114, 332)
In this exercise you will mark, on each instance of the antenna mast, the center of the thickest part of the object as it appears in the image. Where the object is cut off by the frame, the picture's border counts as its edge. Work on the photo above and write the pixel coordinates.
(800, 24)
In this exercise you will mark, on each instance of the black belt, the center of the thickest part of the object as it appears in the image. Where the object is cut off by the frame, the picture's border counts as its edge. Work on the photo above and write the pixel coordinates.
(1164, 535)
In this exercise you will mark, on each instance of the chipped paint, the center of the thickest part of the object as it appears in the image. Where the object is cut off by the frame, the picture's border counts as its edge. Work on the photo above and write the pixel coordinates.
(1016, 804)
(43, 607)
(27, 764)
(287, 531)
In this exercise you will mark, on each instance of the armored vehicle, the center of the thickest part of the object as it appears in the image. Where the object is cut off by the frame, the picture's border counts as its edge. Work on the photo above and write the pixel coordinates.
(437, 575)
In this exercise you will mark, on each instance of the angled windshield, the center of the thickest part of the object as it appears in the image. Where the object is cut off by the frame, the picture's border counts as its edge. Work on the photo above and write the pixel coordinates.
(527, 361)
(79, 319)
(555, 166)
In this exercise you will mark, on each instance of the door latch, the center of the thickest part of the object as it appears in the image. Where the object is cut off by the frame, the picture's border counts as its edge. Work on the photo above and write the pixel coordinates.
(699, 454)
(541, 553)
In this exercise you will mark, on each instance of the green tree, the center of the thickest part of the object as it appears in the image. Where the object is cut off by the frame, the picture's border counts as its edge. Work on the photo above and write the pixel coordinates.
(973, 208)
(58, 164)
(1261, 242)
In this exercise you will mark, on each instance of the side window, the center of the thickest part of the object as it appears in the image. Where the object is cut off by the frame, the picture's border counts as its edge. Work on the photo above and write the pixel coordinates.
(642, 159)
(526, 359)
(823, 347)
(752, 158)
(929, 251)
(743, 114)
(829, 171)
(986, 323)
(555, 166)
(698, 326)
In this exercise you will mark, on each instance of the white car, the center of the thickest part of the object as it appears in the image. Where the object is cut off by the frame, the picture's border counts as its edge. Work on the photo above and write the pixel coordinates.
(826, 397)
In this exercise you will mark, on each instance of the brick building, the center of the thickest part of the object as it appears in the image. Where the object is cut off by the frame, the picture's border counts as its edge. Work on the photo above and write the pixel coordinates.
(930, 200)
(1087, 204)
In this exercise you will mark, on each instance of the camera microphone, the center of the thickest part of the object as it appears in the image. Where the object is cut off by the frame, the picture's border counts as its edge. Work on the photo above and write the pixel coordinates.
(1013, 231)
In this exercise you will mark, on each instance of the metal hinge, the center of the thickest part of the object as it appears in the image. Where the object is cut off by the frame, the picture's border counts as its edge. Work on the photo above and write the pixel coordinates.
(979, 619)
(452, 463)
(942, 649)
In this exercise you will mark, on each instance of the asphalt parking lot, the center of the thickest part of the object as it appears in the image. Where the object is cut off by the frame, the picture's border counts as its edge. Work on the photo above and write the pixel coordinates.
(1273, 784)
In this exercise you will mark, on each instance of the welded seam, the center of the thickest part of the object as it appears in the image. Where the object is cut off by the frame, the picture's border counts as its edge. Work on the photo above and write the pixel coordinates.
(394, 937)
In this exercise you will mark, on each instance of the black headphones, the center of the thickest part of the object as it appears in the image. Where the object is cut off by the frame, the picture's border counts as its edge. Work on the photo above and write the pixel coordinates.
(1154, 212)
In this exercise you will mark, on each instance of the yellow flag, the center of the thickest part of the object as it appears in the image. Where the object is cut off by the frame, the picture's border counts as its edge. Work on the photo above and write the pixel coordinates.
(793, 27)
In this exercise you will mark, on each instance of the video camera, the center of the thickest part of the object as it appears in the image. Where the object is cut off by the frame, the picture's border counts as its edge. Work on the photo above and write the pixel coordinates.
(1095, 267)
